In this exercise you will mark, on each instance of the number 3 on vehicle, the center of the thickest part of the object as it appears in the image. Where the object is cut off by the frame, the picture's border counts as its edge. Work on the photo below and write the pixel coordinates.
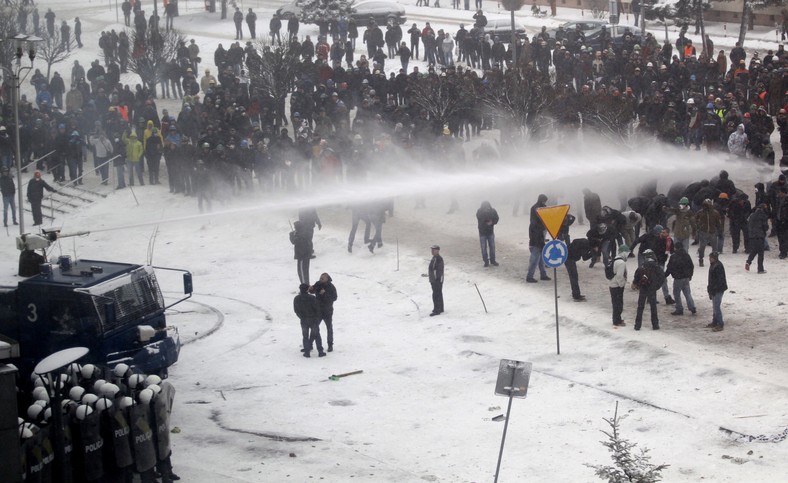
(33, 315)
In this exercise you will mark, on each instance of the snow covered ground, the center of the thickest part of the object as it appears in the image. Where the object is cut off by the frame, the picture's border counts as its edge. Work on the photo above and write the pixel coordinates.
(251, 409)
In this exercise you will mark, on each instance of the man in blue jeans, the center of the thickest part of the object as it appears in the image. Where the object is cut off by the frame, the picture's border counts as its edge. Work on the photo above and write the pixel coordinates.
(681, 268)
(487, 218)
(717, 286)
(536, 242)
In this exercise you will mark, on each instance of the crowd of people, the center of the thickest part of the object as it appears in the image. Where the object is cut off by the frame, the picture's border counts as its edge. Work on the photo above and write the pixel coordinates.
(694, 214)
(346, 113)
(342, 116)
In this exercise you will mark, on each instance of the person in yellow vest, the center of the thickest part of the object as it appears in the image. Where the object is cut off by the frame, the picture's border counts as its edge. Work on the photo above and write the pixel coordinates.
(133, 156)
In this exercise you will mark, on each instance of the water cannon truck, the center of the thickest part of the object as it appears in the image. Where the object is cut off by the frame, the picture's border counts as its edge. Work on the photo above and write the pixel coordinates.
(116, 310)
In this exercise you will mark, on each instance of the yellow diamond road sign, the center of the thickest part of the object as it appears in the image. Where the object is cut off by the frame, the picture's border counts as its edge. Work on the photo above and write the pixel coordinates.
(553, 217)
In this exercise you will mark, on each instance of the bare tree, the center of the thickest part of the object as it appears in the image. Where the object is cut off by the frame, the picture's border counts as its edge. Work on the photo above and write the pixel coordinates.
(442, 97)
(151, 54)
(520, 101)
(8, 29)
(54, 49)
(272, 71)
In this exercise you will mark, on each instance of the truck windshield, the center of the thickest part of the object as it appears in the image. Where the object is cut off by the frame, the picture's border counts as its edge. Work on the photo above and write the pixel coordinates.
(135, 296)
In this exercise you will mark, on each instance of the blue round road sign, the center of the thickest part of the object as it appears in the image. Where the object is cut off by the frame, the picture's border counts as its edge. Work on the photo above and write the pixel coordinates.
(554, 253)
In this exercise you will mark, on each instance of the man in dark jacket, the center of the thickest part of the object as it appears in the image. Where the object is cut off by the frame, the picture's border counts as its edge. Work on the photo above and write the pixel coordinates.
(309, 219)
(302, 247)
(435, 274)
(487, 218)
(708, 220)
(307, 309)
(326, 295)
(251, 22)
(593, 206)
(717, 286)
(238, 19)
(757, 227)
(536, 242)
(738, 211)
(681, 268)
(8, 189)
(648, 279)
(35, 194)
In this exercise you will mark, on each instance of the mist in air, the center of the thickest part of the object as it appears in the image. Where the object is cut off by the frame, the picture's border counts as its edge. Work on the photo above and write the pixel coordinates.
(560, 169)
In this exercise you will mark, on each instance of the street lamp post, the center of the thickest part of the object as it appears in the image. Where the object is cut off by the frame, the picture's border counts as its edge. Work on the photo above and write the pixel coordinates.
(512, 6)
(18, 74)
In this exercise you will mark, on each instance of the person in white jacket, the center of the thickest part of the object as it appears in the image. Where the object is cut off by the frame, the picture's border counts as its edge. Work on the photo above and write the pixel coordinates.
(618, 283)
(737, 142)
(102, 150)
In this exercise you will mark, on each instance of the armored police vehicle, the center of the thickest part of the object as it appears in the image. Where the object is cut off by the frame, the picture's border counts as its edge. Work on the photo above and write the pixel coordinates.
(114, 309)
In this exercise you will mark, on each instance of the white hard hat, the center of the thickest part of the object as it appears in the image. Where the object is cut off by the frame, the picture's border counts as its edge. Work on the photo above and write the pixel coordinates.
(87, 371)
(109, 389)
(76, 393)
(136, 380)
(155, 388)
(120, 370)
(103, 404)
(89, 398)
(83, 411)
(41, 393)
(145, 396)
(25, 432)
(690, 101)
(97, 386)
(34, 411)
(152, 379)
(125, 402)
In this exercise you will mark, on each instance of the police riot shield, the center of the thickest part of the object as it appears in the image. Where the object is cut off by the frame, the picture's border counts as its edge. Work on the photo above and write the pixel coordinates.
(142, 437)
(161, 410)
(120, 437)
(90, 447)
(31, 456)
(68, 451)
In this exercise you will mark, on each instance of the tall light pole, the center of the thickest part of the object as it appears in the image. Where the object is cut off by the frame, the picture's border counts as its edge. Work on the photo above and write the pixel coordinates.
(512, 6)
(18, 74)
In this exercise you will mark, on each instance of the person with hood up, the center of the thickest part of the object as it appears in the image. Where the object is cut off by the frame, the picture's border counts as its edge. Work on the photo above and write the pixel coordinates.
(737, 142)
(681, 268)
(487, 218)
(757, 227)
(536, 242)
(716, 288)
(647, 280)
(618, 283)
(8, 189)
(708, 221)
(302, 249)
(133, 156)
(684, 225)
(326, 295)
(738, 212)
(307, 309)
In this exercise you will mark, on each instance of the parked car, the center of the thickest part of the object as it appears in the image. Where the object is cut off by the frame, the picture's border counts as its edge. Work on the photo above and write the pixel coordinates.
(502, 28)
(382, 11)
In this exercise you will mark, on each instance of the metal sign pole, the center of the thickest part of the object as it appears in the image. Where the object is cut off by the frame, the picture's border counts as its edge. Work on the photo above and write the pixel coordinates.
(505, 425)
(557, 338)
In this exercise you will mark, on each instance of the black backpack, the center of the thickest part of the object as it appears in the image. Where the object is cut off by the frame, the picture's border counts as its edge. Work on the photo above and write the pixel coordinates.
(609, 273)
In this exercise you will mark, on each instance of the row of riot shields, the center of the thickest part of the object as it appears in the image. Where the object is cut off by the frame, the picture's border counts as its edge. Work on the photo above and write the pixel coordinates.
(105, 443)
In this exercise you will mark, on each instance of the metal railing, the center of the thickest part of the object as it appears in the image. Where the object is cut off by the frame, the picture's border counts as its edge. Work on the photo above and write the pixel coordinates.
(54, 207)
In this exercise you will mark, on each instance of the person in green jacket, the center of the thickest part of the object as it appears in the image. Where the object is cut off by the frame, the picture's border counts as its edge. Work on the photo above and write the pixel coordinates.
(133, 156)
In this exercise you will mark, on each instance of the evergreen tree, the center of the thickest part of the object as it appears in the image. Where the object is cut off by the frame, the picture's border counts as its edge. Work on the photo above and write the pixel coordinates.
(629, 466)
